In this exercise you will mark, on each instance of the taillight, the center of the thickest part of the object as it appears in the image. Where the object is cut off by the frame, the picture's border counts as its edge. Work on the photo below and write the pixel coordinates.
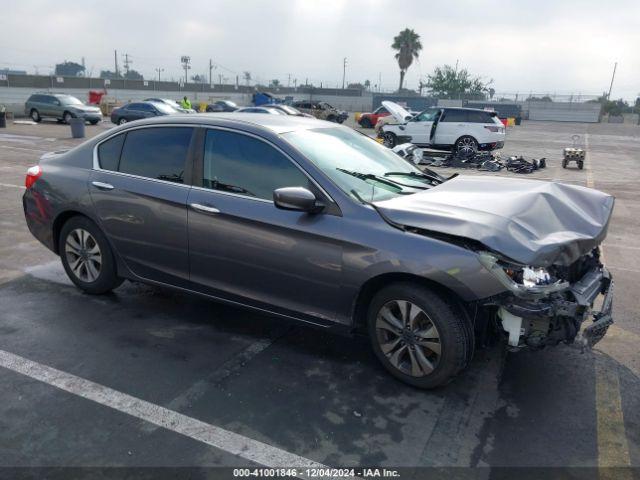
(33, 174)
(492, 128)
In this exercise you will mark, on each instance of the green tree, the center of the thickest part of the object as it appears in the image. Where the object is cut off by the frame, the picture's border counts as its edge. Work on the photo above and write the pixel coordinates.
(275, 83)
(545, 98)
(407, 44)
(448, 82)
(367, 84)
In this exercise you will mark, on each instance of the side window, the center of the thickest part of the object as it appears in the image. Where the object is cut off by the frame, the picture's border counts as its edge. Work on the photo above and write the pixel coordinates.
(241, 164)
(479, 117)
(134, 106)
(145, 107)
(158, 153)
(109, 153)
(454, 116)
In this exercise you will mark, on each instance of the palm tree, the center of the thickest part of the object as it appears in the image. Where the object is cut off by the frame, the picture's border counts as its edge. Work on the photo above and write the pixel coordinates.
(408, 45)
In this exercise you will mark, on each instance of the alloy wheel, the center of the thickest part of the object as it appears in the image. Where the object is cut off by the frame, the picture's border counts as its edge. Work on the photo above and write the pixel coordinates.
(83, 255)
(408, 338)
(467, 146)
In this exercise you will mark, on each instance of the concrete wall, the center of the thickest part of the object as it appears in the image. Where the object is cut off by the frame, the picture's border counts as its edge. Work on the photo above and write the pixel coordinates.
(564, 111)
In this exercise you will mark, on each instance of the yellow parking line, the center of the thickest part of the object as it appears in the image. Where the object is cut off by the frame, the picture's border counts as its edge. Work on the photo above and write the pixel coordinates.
(613, 449)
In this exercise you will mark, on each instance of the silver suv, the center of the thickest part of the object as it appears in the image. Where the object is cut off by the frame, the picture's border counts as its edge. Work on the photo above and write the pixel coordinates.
(62, 107)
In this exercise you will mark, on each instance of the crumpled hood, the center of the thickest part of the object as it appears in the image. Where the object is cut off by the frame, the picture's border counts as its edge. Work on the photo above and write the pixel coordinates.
(530, 221)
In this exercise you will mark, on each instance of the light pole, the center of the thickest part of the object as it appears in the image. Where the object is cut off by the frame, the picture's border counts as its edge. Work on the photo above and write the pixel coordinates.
(344, 70)
(159, 70)
(186, 60)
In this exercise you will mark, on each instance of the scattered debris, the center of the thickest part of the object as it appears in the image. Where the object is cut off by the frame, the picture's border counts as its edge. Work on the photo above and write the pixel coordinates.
(357, 414)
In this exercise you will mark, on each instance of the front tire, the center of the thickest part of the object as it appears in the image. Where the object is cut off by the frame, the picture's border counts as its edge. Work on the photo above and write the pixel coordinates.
(35, 115)
(389, 139)
(420, 338)
(366, 123)
(66, 118)
(87, 257)
(122, 121)
(466, 146)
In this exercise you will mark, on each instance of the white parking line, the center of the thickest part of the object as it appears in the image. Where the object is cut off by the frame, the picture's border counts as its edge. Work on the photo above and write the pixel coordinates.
(9, 185)
(243, 447)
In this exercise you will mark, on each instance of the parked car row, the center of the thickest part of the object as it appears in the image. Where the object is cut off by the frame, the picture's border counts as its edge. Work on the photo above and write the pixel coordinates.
(64, 107)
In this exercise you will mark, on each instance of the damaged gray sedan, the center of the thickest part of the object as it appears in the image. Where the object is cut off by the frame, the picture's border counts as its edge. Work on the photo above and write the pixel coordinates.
(317, 223)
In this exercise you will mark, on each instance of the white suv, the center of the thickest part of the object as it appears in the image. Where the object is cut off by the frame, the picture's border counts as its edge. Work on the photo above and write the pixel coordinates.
(464, 130)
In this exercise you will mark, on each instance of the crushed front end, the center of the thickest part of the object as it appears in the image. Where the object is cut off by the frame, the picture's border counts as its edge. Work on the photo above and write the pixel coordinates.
(547, 306)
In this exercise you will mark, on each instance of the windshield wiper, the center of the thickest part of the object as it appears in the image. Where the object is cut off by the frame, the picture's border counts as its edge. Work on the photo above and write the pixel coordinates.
(371, 176)
(432, 176)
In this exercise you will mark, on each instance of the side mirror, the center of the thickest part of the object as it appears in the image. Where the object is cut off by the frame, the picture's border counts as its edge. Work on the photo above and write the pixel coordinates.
(296, 198)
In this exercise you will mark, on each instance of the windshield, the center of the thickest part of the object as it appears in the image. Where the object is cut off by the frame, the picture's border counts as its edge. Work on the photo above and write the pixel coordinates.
(341, 153)
(289, 110)
(427, 116)
(164, 108)
(69, 100)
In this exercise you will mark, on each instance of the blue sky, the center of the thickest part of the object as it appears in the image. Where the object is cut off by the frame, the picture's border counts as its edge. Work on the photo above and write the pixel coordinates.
(540, 46)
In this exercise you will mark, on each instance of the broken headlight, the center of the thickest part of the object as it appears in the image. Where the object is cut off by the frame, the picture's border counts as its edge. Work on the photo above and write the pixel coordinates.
(522, 280)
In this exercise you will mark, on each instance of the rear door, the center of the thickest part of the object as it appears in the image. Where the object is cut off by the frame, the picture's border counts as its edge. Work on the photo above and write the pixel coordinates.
(243, 248)
(135, 111)
(452, 125)
(139, 191)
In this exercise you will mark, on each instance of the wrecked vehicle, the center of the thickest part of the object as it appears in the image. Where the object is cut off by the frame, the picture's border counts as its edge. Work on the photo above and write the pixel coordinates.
(315, 222)
(463, 130)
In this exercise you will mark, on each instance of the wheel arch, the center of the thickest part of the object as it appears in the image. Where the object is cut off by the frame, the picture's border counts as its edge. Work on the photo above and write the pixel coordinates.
(375, 284)
(58, 223)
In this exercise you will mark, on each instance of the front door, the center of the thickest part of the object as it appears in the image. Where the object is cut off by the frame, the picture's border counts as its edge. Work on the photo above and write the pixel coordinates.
(244, 249)
(140, 198)
(420, 127)
(451, 126)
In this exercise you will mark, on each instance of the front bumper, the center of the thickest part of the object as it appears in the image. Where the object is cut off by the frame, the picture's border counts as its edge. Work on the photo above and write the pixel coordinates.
(539, 322)
(89, 116)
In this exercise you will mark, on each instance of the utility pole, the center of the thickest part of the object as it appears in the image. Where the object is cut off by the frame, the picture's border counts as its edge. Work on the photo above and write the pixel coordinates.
(186, 60)
(127, 62)
(288, 80)
(159, 70)
(210, 70)
(344, 70)
(612, 77)
(220, 78)
(115, 58)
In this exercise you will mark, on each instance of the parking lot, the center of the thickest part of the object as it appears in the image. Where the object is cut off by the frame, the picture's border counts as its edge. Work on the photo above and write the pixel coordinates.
(208, 377)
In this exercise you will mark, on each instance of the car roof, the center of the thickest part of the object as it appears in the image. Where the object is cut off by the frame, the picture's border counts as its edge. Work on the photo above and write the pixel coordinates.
(275, 123)
(465, 109)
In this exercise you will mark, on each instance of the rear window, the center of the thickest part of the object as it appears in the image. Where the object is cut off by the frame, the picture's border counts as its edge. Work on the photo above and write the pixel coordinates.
(454, 116)
(479, 117)
(109, 153)
(158, 153)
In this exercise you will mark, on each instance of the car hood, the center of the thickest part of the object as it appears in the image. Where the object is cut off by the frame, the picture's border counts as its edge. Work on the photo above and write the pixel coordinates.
(399, 113)
(86, 108)
(529, 221)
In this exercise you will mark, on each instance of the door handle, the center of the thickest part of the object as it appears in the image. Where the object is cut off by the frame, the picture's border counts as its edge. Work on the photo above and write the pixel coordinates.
(102, 185)
(204, 208)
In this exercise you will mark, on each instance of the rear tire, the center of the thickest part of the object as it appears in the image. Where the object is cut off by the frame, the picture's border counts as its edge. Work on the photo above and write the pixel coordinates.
(94, 122)
(418, 336)
(87, 256)
(35, 115)
(580, 164)
(466, 146)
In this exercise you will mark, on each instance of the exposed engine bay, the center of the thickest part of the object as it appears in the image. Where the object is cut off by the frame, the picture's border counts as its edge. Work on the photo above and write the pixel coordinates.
(553, 303)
